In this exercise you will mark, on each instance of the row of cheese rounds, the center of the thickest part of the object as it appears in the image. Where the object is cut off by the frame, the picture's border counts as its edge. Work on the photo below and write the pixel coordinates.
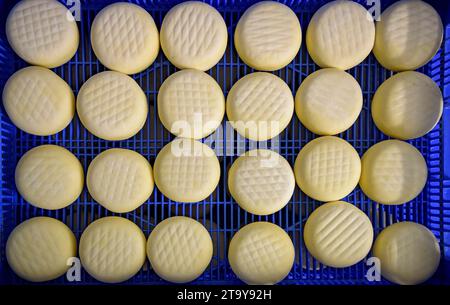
(261, 181)
(191, 104)
(268, 36)
(114, 249)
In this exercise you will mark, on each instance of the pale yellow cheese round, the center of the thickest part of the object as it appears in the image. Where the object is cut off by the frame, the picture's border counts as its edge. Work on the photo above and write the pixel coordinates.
(194, 35)
(328, 101)
(42, 32)
(341, 34)
(260, 106)
(112, 249)
(268, 36)
(338, 234)
(119, 179)
(261, 253)
(327, 168)
(186, 170)
(408, 105)
(408, 35)
(38, 101)
(409, 253)
(125, 38)
(49, 177)
(191, 104)
(39, 248)
(393, 172)
(179, 249)
(112, 106)
(261, 181)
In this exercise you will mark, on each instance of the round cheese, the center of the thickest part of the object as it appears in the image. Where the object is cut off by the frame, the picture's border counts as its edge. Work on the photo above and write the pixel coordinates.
(112, 106)
(112, 249)
(119, 179)
(194, 35)
(409, 253)
(327, 168)
(261, 181)
(408, 35)
(408, 105)
(42, 32)
(341, 34)
(125, 38)
(186, 170)
(393, 172)
(38, 101)
(328, 101)
(260, 106)
(39, 249)
(191, 104)
(49, 177)
(179, 249)
(268, 36)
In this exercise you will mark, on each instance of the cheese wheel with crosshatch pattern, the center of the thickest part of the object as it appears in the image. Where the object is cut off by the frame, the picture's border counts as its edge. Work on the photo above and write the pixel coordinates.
(194, 36)
(112, 249)
(39, 249)
(179, 249)
(409, 253)
(260, 106)
(186, 170)
(328, 101)
(261, 253)
(268, 36)
(42, 32)
(112, 106)
(191, 104)
(408, 35)
(38, 101)
(124, 37)
(119, 179)
(338, 234)
(49, 177)
(261, 181)
(327, 168)
(408, 105)
(341, 34)
(393, 172)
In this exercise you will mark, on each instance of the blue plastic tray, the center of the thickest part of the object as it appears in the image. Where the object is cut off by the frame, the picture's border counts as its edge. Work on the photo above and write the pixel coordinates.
(431, 208)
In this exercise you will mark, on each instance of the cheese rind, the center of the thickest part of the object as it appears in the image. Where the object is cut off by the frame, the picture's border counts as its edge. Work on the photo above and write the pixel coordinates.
(408, 105)
(112, 106)
(261, 181)
(260, 106)
(49, 177)
(327, 168)
(408, 35)
(38, 101)
(261, 253)
(125, 38)
(268, 36)
(121, 180)
(194, 36)
(393, 172)
(409, 253)
(186, 170)
(341, 35)
(112, 249)
(39, 248)
(328, 101)
(191, 104)
(338, 234)
(179, 249)
(42, 32)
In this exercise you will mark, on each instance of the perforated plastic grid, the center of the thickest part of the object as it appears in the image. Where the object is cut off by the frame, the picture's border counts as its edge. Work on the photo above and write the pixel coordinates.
(219, 212)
